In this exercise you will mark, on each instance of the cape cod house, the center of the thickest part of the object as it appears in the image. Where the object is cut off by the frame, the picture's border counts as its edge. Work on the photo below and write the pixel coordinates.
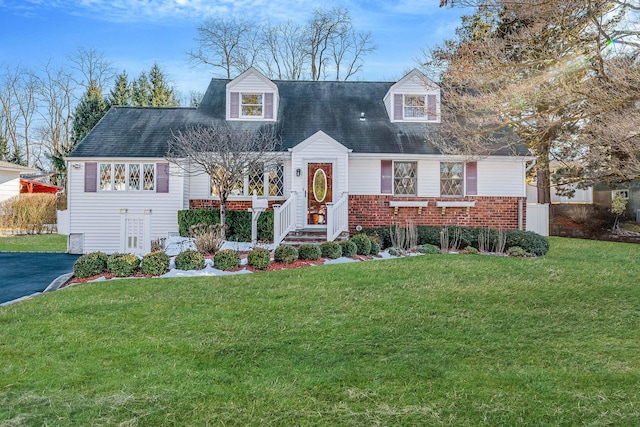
(353, 154)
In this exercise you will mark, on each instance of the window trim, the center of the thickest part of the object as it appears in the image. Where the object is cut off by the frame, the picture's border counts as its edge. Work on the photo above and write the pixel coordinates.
(393, 178)
(261, 96)
(266, 184)
(126, 188)
(399, 106)
(624, 192)
(423, 117)
(462, 179)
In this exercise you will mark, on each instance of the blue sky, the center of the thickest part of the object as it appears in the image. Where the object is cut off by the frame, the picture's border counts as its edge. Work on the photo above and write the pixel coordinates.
(134, 34)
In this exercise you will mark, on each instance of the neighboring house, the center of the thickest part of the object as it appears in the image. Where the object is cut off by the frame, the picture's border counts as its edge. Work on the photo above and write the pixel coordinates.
(38, 184)
(10, 179)
(603, 194)
(354, 154)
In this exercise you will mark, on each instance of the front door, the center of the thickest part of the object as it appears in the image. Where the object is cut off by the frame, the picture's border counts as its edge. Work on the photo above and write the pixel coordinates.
(319, 192)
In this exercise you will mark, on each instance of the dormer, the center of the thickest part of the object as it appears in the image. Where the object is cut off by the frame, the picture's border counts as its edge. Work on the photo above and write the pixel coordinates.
(414, 98)
(252, 96)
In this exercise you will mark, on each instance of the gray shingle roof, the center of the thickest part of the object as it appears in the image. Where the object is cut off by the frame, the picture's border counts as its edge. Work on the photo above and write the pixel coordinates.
(304, 108)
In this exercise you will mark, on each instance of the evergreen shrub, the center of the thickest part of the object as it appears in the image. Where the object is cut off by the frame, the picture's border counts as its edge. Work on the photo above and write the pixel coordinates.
(189, 260)
(259, 258)
(375, 247)
(309, 252)
(349, 249)
(90, 264)
(285, 254)
(331, 250)
(531, 242)
(155, 263)
(363, 243)
(226, 260)
(123, 265)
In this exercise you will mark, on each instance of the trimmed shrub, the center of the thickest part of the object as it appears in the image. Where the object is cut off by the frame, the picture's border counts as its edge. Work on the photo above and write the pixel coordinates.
(155, 263)
(331, 250)
(428, 249)
(238, 223)
(517, 251)
(309, 251)
(226, 260)
(363, 243)
(349, 249)
(471, 250)
(90, 264)
(259, 258)
(123, 265)
(375, 248)
(285, 254)
(382, 235)
(189, 260)
(531, 242)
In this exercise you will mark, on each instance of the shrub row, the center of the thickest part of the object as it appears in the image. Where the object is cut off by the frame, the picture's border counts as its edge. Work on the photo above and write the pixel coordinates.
(238, 223)
(529, 241)
(120, 265)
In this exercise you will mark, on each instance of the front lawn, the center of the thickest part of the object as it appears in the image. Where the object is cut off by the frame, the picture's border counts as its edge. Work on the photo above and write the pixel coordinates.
(460, 340)
(34, 243)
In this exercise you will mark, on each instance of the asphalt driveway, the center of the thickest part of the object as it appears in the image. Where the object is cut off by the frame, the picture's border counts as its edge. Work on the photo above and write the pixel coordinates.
(23, 273)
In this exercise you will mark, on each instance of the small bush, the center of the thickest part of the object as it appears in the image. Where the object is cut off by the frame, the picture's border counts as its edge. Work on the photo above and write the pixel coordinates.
(309, 251)
(363, 244)
(375, 248)
(259, 258)
(531, 242)
(471, 250)
(331, 250)
(90, 264)
(393, 252)
(226, 260)
(207, 237)
(428, 249)
(285, 254)
(189, 260)
(517, 251)
(123, 265)
(349, 249)
(155, 263)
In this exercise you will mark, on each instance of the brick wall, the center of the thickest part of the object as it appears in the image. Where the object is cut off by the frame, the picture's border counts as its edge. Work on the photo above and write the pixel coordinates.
(491, 212)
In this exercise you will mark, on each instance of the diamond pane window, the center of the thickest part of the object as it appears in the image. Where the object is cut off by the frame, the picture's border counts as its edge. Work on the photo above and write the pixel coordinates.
(105, 177)
(404, 178)
(134, 177)
(251, 105)
(119, 176)
(256, 180)
(276, 180)
(414, 106)
(451, 179)
(148, 176)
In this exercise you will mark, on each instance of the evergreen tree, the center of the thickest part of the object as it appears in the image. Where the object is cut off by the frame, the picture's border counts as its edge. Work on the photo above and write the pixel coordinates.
(141, 91)
(161, 95)
(121, 92)
(88, 112)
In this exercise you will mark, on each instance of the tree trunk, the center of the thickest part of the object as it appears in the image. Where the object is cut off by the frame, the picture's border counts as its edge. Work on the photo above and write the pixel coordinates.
(223, 218)
(544, 182)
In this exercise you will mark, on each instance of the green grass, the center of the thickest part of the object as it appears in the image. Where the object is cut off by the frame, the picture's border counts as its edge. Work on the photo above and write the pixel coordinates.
(455, 340)
(34, 243)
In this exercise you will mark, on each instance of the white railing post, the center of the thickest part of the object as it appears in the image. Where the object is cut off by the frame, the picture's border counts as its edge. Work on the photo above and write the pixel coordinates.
(337, 217)
(284, 218)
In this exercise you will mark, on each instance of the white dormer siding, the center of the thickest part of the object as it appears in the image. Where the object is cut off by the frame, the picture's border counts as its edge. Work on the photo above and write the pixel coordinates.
(252, 96)
(414, 98)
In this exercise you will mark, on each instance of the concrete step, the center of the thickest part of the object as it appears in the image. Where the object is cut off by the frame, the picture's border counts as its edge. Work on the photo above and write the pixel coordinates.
(300, 237)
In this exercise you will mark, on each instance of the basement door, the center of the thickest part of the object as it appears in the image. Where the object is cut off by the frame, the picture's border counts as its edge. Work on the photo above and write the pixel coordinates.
(319, 192)
(135, 234)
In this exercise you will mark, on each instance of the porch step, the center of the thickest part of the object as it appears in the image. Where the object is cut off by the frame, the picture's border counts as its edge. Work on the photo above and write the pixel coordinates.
(299, 237)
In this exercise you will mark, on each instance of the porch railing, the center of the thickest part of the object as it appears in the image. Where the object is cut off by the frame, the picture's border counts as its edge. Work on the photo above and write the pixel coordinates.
(284, 218)
(337, 217)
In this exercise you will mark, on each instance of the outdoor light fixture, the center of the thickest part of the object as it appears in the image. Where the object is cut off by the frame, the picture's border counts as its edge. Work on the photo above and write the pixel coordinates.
(75, 165)
(298, 172)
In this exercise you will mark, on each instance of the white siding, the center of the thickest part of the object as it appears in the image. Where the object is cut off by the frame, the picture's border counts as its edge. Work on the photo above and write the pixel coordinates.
(98, 215)
(501, 178)
(250, 83)
(9, 184)
(364, 176)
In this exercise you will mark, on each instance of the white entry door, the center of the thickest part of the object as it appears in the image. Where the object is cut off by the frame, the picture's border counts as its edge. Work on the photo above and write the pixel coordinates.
(135, 235)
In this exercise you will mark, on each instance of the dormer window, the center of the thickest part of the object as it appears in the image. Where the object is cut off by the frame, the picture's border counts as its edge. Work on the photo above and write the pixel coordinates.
(420, 107)
(251, 105)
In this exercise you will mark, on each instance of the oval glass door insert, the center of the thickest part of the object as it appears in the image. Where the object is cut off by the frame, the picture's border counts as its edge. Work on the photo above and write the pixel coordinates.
(319, 185)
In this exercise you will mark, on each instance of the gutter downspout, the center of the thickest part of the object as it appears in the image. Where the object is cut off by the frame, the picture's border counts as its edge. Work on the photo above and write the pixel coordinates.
(520, 203)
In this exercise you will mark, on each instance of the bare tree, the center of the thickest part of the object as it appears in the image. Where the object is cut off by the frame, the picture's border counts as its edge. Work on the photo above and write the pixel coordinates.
(221, 44)
(348, 51)
(93, 66)
(324, 28)
(283, 53)
(223, 153)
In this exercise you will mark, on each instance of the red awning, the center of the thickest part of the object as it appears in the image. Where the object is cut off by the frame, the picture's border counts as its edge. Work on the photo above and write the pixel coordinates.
(28, 186)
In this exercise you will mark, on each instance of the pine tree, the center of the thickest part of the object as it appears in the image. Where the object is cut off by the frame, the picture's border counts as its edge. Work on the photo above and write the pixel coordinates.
(161, 94)
(88, 112)
(141, 91)
(121, 92)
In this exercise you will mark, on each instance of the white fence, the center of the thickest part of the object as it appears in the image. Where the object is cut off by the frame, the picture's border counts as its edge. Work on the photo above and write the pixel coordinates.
(538, 218)
(62, 220)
